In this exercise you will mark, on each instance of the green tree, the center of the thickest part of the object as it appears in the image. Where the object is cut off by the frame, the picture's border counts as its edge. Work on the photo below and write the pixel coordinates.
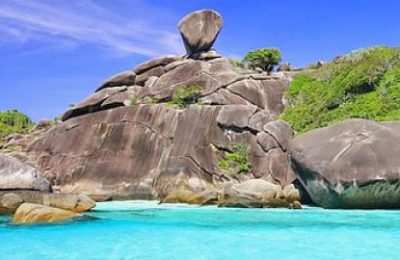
(12, 121)
(264, 59)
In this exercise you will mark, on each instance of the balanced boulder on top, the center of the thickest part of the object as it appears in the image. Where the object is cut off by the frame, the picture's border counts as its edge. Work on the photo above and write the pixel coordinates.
(199, 30)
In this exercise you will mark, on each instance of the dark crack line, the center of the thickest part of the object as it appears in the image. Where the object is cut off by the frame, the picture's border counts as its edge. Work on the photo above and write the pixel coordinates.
(188, 157)
(276, 140)
(237, 94)
(147, 127)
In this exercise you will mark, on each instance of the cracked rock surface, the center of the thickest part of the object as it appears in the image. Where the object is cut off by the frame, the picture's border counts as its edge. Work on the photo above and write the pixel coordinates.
(107, 147)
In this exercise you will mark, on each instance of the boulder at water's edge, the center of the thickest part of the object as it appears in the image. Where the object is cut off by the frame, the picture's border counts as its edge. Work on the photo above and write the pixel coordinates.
(353, 164)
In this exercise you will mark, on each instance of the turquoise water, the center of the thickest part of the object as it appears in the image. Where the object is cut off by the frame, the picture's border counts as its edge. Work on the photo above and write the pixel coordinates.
(146, 230)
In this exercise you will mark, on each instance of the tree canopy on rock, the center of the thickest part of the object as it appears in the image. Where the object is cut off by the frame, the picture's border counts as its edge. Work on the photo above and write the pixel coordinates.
(264, 59)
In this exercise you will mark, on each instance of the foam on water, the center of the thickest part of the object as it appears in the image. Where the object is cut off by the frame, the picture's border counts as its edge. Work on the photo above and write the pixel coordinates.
(147, 230)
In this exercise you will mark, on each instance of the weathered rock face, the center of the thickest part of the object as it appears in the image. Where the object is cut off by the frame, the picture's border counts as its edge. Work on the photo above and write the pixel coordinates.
(15, 175)
(144, 151)
(199, 30)
(354, 164)
(29, 213)
(110, 146)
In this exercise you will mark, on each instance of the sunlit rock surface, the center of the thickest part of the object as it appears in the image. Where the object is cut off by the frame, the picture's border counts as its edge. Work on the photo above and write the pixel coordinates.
(29, 213)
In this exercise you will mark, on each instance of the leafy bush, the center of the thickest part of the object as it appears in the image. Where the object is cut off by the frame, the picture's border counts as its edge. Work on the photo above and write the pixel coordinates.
(12, 121)
(361, 84)
(186, 95)
(265, 59)
(151, 100)
(236, 63)
(133, 100)
(238, 159)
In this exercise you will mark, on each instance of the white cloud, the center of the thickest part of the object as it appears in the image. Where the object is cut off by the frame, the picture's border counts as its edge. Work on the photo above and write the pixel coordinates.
(86, 22)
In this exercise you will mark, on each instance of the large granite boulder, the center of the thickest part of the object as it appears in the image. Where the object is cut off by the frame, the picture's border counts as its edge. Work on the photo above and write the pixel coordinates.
(15, 175)
(199, 30)
(29, 213)
(153, 148)
(353, 164)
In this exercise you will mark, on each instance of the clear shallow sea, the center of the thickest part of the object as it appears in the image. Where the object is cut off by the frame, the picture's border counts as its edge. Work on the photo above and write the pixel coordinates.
(146, 230)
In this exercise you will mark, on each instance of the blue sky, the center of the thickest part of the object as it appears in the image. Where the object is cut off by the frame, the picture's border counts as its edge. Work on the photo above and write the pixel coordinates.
(56, 52)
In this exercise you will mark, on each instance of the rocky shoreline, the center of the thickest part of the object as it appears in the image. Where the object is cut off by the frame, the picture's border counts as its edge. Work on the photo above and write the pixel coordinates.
(194, 129)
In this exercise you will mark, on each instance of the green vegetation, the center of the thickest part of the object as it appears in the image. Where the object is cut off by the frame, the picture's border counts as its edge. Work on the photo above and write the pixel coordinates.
(12, 121)
(362, 84)
(133, 100)
(186, 95)
(152, 100)
(236, 63)
(238, 159)
(264, 59)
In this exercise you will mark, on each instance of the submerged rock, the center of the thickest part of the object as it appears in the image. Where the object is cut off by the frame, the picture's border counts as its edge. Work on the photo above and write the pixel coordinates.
(353, 164)
(29, 213)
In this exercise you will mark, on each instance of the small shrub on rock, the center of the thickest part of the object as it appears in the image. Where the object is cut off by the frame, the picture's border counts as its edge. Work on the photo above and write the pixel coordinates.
(151, 101)
(133, 101)
(236, 63)
(238, 159)
(187, 95)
